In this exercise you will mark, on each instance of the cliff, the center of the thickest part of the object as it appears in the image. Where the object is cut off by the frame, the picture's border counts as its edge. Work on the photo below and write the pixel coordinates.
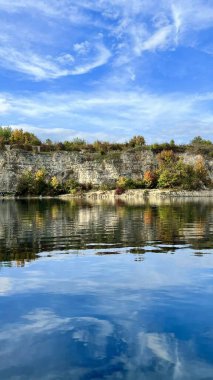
(85, 168)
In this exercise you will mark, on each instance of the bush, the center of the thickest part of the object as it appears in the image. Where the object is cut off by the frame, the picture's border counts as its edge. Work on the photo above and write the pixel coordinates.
(174, 173)
(38, 184)
(72, 186)
(157, 148)
(150, 179)
(18, 136)
(137, 141)
(139, 184)
(201, 146)
(107, 187)
(125, 183)
(119, 191)
(5, 134)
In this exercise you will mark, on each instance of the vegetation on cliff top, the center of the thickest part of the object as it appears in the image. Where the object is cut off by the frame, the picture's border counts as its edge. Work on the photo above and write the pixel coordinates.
(17, 138)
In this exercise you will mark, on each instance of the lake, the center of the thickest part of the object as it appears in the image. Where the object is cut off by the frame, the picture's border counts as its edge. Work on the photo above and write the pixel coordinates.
(107, 291)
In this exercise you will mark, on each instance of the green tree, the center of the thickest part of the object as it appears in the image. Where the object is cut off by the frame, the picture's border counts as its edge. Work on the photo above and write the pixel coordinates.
(5, 134)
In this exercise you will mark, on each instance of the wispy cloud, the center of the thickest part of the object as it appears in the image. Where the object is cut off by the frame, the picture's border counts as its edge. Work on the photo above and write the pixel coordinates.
(130, 29)
(104, 115)
(120, 62)
(159, 39)
(47, 67)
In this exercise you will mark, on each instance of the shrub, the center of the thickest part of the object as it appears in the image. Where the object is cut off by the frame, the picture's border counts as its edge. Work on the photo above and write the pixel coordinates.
(18, 136)
(166, 157)
(174, 173)
(139, 184)
(201, 146)
(101, 146)
(201, 172)
(5, 134)
(125, 183)
(38, 184)
(72, 185)
(136, 141)
(119, 191)
(54, 183)
(150, 179)
(107, 186)
(25, 183)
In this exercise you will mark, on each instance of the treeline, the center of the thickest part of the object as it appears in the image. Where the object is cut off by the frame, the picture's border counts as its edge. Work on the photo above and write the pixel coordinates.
(17, 138)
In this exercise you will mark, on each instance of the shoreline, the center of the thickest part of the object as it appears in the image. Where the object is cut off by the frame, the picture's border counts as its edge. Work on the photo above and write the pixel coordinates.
(137, 194)
(143, 194)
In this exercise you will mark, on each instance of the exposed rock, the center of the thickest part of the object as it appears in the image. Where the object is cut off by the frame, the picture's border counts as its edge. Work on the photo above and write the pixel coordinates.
(77, 165)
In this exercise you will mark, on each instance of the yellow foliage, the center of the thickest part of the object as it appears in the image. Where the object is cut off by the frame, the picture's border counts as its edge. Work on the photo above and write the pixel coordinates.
(121, 182)
(54, 182)
(18, 136)
(39, 175)
(200, 165)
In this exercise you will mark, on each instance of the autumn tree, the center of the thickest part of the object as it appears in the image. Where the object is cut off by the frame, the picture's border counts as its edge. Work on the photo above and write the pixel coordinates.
(137, 141)
(18, 136)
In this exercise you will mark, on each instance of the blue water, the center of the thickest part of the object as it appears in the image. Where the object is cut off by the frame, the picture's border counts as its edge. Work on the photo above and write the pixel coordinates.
(106, 291)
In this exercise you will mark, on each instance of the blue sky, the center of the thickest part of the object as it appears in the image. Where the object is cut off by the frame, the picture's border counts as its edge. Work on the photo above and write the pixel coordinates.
(107, 69)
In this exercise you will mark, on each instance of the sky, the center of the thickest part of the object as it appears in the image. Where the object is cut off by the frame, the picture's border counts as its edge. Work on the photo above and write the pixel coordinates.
(107, 69)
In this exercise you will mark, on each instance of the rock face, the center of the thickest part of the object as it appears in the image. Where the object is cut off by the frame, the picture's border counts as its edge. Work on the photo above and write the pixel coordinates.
(85, 168)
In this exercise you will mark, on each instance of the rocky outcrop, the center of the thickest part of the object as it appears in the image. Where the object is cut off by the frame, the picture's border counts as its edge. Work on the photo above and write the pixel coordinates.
(85, 168)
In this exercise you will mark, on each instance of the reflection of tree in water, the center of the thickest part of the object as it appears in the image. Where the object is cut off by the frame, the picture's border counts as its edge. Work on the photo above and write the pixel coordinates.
(28, 227)
(186, 223)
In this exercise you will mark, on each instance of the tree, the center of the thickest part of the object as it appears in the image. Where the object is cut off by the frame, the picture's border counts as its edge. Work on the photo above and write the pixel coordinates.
(150, 179)
(198, 140)
(174, 173)
(18, 136)
(5, 134)
(137, 141)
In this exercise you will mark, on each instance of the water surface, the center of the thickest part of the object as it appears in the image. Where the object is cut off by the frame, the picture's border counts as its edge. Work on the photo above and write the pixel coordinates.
(106, 291)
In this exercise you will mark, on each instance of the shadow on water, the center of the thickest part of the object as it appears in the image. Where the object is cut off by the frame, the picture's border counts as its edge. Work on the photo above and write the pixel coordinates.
(28, 227)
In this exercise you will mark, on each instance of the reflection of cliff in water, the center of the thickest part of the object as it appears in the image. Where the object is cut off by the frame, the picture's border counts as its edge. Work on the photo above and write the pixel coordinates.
(30, 227)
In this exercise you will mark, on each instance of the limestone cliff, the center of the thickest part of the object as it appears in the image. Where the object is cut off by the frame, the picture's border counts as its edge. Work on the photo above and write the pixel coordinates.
(85, 168)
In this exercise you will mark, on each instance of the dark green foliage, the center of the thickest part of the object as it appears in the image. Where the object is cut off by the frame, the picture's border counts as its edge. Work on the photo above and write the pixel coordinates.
(129, 183)
(157, 148)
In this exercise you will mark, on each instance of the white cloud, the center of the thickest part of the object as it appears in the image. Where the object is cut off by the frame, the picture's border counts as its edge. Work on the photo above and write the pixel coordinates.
(4, 105)
(82, 48)
(131, 29)
(118, 36)
(47, 67)
(103, 56)
(159, 39)
(96, 114)
(50, 9)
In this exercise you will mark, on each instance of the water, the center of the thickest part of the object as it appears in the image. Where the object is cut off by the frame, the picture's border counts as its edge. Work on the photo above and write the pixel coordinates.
(106, 291)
